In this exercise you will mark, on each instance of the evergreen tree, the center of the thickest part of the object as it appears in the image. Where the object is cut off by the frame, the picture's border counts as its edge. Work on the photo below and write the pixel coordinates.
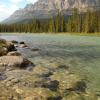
(51, 26)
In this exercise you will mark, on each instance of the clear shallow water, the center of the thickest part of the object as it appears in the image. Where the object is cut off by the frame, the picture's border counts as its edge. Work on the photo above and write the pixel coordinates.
(81, 53)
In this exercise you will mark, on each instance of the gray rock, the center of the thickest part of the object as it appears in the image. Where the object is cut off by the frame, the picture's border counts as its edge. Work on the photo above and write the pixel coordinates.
(16, 61)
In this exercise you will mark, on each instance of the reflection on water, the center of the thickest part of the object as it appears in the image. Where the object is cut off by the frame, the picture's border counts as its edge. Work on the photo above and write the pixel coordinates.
(81, 53)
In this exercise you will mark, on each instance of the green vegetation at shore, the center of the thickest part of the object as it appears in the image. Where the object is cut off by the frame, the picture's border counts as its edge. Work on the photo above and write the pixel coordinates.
(88, 22)
(80, 34)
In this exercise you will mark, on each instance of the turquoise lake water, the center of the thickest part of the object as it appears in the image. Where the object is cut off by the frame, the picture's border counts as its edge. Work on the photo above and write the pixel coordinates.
(80, 53)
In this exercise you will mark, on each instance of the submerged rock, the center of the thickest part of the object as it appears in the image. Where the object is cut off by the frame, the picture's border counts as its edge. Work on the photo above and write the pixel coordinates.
(80, 86)
(53, 85)
(40, 70)
(65, 79)
(35, 49)
(7, 93)
(38, 94)
(2, 76)
(55, 98)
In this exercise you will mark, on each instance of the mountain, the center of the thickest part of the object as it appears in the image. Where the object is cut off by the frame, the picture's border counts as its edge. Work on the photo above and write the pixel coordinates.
(43, 9)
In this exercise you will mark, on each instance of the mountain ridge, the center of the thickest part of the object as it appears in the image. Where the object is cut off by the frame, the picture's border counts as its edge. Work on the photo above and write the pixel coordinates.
(47, 8)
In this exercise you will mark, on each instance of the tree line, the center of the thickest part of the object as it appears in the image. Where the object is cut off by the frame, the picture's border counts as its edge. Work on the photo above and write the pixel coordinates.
(88, 22)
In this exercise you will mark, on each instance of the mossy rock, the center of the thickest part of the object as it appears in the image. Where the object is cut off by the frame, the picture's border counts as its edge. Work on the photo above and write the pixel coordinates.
(89, 95)
(36, 93)
(52, 65)
(80, 96)
(73, 96)
(55, 98)
(65, 79)
(40, 70)
(47, 83)
(80, 86)
(22, 78)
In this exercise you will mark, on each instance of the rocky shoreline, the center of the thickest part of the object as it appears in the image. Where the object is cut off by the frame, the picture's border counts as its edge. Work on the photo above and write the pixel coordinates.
(20, 79)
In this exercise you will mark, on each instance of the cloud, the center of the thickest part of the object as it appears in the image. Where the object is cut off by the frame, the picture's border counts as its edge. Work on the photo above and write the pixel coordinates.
(31, 1)
(18, 1)
(6, 11)
(15, 1)
(7, 7)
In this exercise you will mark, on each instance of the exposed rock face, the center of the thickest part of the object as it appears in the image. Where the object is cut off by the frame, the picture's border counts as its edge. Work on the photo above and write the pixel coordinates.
(48, 8)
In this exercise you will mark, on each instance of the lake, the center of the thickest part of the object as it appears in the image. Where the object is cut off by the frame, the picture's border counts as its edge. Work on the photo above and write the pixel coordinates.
(80, 53)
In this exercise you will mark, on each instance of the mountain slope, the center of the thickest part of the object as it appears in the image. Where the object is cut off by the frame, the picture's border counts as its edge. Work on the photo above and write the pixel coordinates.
(46, 8)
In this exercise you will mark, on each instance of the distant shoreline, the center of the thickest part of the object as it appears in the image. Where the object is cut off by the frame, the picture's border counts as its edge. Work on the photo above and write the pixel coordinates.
(62, 33)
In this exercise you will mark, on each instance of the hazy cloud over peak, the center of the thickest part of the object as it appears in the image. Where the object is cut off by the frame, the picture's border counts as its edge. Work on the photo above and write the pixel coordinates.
(7, 7)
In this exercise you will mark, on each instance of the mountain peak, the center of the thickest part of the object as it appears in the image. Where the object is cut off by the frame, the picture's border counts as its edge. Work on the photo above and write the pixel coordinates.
(48, 8)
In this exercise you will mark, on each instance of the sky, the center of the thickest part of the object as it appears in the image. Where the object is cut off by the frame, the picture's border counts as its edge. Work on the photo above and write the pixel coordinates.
(7, 7)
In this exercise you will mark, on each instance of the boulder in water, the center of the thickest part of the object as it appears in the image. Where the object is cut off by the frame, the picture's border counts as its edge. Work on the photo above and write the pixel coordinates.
(16, 61)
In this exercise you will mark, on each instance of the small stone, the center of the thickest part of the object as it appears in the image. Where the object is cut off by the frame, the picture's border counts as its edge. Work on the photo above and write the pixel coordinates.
(35, 49)
(22, 42)
(16, 45)
(47, 74)
(19, 91)
(55, 98)
(63, 66)
(23, 46)
(14, 41)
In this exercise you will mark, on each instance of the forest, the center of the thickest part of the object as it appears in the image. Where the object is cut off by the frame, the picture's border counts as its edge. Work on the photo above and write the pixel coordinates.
(88, 22)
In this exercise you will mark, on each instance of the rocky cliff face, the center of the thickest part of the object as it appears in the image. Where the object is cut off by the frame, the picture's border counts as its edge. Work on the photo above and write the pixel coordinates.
(47, 8)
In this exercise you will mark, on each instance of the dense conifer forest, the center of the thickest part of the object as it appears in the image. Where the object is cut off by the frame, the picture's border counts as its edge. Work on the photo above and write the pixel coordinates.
(88, 22)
